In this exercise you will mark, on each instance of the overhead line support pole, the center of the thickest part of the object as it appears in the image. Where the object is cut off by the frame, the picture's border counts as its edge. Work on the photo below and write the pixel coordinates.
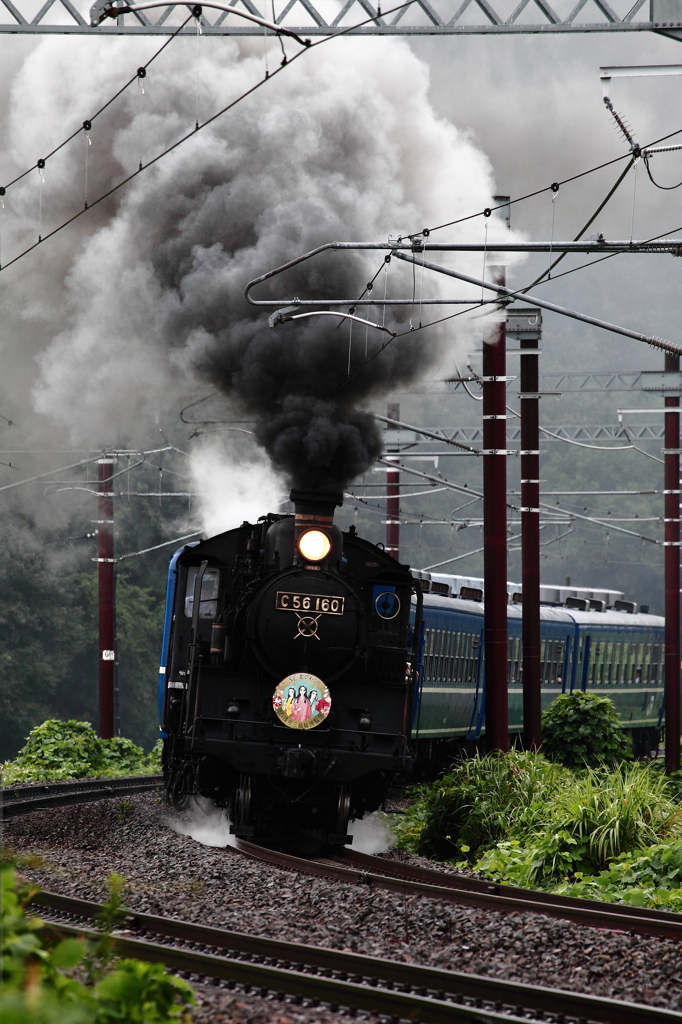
(393, 496)
(672, 573)
(495, 529)
(106, 587)
(530, 525)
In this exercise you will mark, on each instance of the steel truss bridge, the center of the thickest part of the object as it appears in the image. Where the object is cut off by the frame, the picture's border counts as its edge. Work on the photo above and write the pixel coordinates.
(324, 17)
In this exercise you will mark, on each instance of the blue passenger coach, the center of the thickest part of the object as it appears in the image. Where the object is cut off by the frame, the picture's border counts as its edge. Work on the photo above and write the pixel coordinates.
(586, 644)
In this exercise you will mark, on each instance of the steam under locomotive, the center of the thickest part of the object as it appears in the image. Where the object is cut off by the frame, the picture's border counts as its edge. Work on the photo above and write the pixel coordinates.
(288, 680)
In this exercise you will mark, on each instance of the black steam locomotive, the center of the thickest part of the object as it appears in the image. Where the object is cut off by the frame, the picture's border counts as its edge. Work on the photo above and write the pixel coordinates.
(288, 680)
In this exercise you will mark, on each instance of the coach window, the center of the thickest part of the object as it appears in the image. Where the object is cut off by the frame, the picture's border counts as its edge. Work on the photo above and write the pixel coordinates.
(457, 657)
(469, 660)
(452, 646)
(608, 662)
(616, 662)
(656, 675)
(208, 601)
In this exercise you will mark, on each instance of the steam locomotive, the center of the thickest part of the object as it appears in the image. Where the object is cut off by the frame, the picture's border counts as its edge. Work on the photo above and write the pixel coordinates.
(287, 679)
(303, 667)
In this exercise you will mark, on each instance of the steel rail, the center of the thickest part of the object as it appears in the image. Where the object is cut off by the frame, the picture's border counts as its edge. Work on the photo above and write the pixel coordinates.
(489, 896)
(24, 799)
(464, 882)
(292, 957)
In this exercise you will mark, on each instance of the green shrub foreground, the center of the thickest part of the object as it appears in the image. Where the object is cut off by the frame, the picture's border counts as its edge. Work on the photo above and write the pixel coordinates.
(581, 730)
(59, 750)
(77, 981)
(518, 818)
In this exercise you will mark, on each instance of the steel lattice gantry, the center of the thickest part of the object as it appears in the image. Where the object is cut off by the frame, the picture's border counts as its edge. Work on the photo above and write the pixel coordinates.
(322, 17)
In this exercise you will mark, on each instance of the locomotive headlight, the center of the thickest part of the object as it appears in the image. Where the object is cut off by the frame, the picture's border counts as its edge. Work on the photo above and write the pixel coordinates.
(314, 545)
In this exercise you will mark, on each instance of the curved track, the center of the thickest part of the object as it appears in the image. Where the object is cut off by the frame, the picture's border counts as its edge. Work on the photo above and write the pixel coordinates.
(342, 979)
(381, 873)
(393, 988)
(24, 799)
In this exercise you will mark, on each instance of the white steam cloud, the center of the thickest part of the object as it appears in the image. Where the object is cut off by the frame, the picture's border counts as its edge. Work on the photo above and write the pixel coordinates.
(203, 822)
(231, 490)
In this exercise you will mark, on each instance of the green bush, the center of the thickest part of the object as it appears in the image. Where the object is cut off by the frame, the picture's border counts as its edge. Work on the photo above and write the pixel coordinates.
(595, 817)
(582, 730)
(473, 806)
(59, 750)
(39, 984)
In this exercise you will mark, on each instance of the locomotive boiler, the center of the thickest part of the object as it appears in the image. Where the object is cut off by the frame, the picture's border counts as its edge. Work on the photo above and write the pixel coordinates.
(288, 676)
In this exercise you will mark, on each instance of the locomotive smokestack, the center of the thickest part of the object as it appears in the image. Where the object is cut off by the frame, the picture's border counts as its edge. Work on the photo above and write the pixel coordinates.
(314, 508)
(315, 503)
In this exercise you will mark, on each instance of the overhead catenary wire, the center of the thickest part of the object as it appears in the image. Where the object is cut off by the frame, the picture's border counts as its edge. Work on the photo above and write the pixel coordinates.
(426, 231)
(87, 124)
(190, 134)
(464, 489)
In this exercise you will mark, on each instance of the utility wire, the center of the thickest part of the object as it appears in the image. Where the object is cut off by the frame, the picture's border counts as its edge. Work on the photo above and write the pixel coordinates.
(550, 268)
(190, 134)
(88, 122)
(537, 192)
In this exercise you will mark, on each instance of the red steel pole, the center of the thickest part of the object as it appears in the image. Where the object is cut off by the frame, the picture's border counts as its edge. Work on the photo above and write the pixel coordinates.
(107, 585)
(671, 459)
(393, 497)
(530, 542)
(495, 530)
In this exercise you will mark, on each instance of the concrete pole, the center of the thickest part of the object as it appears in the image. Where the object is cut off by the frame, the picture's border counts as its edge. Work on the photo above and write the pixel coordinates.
(107, 585)
(671, 491)
(495, 529)
(530, 540)
(393, 496)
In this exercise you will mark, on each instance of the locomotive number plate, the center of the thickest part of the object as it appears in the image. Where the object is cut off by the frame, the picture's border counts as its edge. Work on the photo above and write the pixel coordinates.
(286, 602)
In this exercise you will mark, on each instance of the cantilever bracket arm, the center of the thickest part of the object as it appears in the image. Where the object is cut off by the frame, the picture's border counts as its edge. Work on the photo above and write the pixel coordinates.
(416, 244)
(389, 247)
(508, 294)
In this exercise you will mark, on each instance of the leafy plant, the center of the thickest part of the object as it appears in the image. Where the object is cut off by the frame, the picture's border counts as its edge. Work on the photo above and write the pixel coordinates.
(39, 984)
(471, 808)
(581, 729)
(71, 750)
(596, 818)
(652, 878)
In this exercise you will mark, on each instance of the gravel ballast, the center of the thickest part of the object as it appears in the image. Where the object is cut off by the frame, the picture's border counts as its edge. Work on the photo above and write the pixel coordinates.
(75, 849)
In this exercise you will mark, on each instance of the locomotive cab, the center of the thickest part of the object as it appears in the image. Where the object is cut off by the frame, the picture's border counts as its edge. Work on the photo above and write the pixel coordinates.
(286, 693)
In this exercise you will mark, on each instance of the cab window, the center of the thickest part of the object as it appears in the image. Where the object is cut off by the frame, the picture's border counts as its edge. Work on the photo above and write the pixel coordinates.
(208, 602)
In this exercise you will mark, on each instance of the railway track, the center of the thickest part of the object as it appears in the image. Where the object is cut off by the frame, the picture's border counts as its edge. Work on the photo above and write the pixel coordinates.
(392, 876)
(24, 799)
(339, 979)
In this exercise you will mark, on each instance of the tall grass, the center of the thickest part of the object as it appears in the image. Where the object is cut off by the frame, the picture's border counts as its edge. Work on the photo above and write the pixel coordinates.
(609, 812)
(523, 819)
(476, 803)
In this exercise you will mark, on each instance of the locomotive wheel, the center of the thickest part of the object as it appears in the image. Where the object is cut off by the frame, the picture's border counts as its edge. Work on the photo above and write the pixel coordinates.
(181, 788)
(242, 801)
(343, 810)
